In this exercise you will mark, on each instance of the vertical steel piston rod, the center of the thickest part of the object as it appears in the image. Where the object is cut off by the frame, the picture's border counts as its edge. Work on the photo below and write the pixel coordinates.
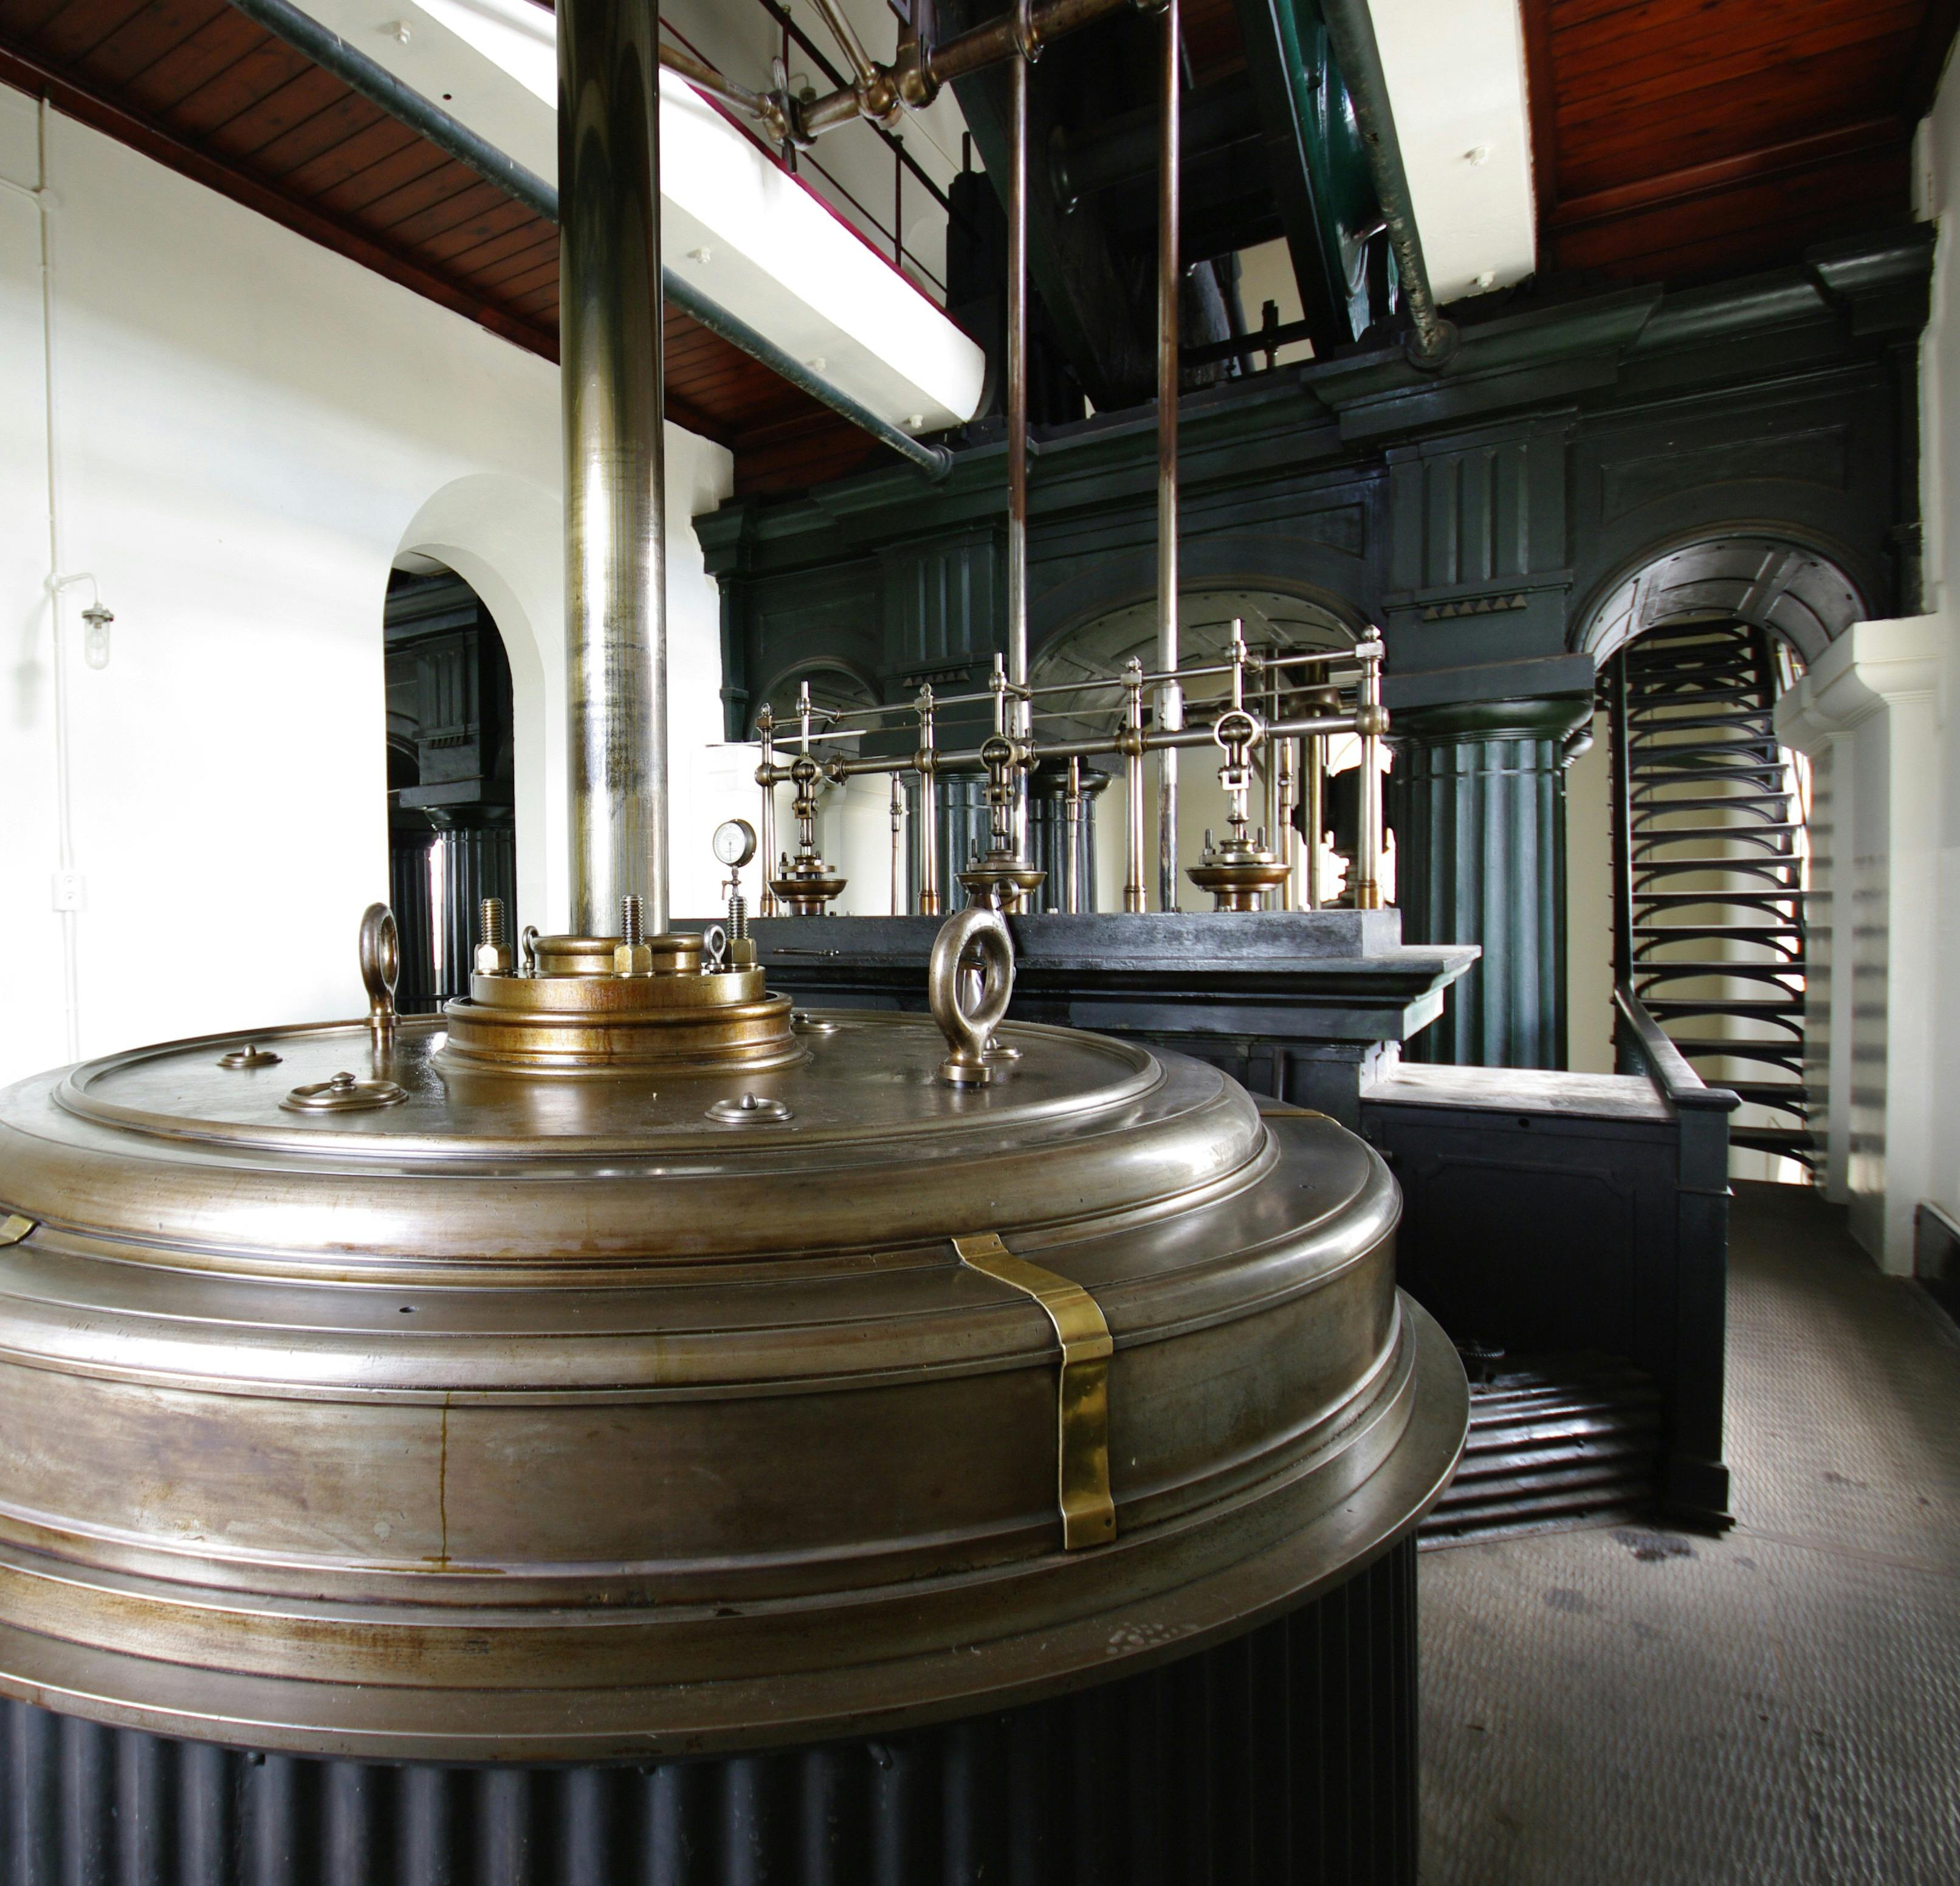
(1170, 695)
(1017, 402)
(616, 601)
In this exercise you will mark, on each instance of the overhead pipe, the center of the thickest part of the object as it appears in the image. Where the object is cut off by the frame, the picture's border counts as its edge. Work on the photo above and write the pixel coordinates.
(914, 79)
(845, 35)
(704, 78)
(1351, 31)
(402, 102)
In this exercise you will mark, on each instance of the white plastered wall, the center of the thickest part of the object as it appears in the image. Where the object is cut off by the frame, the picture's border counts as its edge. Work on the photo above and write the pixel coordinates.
(1939, 458)
(248, 431)
(1877, 716)
(1868, 711)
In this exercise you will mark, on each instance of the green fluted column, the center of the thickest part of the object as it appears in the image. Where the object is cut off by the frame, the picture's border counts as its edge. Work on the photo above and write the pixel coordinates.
(1477, 799)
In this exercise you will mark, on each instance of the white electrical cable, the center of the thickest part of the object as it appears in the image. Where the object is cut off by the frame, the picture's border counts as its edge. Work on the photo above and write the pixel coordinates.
(42, 199)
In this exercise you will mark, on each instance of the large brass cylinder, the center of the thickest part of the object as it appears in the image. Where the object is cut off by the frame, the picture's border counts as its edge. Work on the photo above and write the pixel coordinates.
(536, 1418)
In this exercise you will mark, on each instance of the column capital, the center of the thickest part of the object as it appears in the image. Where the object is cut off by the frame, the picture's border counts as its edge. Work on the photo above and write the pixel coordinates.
(1871, 666)
(1542, 697)
(1525, 717)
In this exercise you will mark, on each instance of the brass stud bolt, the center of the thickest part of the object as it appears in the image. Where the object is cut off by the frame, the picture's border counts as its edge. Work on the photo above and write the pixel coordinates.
(634, 956)
(493, 948)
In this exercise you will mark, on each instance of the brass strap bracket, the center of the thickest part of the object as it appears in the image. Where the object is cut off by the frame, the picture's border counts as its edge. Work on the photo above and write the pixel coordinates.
(13, 1229)
(1082, 1397)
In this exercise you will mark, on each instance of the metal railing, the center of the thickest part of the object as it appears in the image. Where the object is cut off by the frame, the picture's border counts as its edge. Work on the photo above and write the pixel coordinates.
(1351, 704)
(1637, 1037)
(903, 164)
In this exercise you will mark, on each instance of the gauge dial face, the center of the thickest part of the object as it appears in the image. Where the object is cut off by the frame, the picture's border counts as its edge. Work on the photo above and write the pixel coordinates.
(734, 842)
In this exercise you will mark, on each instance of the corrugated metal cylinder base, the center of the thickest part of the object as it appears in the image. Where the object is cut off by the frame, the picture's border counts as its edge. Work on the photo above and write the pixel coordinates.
(1286, 1756)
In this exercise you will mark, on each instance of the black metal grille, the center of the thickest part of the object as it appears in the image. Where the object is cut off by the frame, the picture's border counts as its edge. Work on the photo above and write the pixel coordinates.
(1557, 1441)
(1285, 1758)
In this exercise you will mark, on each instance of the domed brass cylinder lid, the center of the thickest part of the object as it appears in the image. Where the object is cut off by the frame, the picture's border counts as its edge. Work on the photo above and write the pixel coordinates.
(491, 1416)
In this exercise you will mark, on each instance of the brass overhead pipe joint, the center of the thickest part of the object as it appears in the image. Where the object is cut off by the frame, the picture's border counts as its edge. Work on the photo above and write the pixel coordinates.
(1025, 33)
(780, 116)
(880, 99)
(911, 72)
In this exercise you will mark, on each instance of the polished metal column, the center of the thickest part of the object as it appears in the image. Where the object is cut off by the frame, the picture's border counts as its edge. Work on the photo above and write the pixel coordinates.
(1170, 695)
(610, 371)
(1017, 405)
(927, 763)
(1072, 883)
(1366, 889)
(1312, 774)
(1282, 760)
(1133, 783)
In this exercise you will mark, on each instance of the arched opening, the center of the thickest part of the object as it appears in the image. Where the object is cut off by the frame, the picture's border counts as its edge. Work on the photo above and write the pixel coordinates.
(854, 819)
(835, 689)
(504, 537)
(1689, 826)
(1090, 651)
(452, 825)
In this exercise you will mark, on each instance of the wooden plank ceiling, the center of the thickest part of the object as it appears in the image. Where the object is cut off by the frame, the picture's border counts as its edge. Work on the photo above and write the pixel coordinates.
(197, 86)
(1674, 140)
(1681, 140)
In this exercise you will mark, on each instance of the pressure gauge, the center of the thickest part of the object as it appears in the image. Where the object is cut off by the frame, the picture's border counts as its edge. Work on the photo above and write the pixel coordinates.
(734, 843)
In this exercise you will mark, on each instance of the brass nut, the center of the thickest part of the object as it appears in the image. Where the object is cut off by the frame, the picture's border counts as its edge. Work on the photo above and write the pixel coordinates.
(742, 952)
(493, 959)
(633, 960)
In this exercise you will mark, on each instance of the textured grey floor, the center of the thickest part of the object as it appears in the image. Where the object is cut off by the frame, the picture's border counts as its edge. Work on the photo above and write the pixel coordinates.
(1782, 1704)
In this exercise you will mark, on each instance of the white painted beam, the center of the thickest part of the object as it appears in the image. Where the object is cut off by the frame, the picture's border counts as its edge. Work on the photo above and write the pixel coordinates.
(1455, 72)
(754, 238)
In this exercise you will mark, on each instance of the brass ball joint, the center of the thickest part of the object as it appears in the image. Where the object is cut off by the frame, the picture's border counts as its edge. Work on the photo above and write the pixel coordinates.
(608, 1369)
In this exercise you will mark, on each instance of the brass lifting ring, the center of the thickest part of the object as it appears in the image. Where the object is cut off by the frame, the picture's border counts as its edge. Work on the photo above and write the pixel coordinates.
(380, 969)
(969, 1033)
